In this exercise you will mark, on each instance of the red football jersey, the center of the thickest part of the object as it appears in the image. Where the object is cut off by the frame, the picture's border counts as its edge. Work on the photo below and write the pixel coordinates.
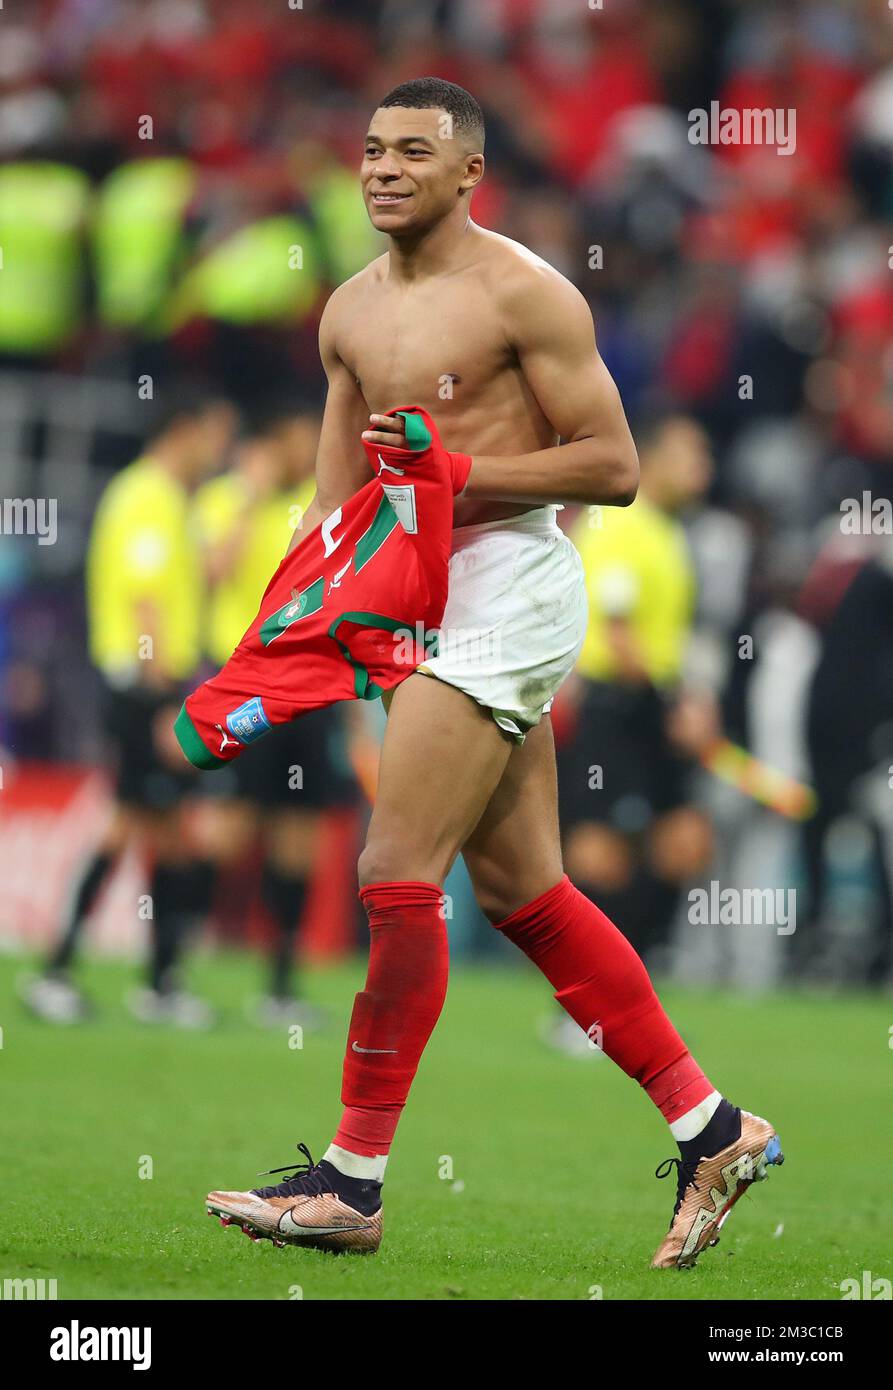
(350, 612)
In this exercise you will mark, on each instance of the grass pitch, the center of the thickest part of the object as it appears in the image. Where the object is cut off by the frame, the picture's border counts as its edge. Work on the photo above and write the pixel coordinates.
(549, 1192)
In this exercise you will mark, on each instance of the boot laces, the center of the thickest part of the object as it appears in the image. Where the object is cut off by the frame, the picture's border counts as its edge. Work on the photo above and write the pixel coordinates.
(685, 1175)
(307, 1179)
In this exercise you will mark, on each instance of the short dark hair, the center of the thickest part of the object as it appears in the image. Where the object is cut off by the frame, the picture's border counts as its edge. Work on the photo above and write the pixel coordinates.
(427, 93)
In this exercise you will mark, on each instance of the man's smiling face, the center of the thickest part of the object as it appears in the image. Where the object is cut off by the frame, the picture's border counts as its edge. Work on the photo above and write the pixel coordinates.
(413, 170)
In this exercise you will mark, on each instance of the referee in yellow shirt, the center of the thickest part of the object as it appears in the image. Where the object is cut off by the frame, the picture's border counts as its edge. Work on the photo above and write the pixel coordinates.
(632, 835)
(277, 789)
(144, 611)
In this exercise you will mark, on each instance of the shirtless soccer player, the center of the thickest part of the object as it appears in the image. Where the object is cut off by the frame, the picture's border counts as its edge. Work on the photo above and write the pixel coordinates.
(500, 349)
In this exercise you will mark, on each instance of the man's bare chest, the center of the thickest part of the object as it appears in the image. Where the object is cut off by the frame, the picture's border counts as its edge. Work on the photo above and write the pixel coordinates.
(423, 349)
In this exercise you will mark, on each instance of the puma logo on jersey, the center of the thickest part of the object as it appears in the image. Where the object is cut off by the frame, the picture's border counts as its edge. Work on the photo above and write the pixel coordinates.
(386, 467)
(225, 740)
(335, 581)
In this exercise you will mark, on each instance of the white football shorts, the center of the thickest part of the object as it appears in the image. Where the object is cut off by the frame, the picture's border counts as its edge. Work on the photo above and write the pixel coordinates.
(515, 617)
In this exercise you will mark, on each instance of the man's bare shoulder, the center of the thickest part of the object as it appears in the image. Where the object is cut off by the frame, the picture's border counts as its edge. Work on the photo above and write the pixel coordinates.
(346, 299)
(525, 284)
(349, 292)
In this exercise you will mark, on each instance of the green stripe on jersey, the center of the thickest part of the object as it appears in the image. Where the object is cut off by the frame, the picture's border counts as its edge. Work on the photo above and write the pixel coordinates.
(374, 537)
(305, 603)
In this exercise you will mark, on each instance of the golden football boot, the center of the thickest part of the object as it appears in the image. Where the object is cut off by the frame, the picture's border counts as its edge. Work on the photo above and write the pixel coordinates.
(708, 1188)
(317, 1206)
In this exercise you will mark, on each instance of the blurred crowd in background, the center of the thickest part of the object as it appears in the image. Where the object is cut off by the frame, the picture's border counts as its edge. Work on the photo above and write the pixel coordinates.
(178, 196)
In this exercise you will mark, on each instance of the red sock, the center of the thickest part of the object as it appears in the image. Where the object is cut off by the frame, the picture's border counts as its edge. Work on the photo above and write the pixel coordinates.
(395, 1014)
(601, 982)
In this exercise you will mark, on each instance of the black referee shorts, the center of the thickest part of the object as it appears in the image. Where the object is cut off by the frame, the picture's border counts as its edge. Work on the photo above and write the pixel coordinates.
(142, 780)
(141, 777)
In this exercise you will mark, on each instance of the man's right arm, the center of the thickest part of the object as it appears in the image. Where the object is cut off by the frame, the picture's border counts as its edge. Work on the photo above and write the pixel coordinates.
(342, 467)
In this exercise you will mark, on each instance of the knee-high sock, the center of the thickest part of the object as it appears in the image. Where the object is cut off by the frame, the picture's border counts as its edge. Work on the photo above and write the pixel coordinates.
(645, 907)
(395, 1014)
(603, 985)
(92, 878)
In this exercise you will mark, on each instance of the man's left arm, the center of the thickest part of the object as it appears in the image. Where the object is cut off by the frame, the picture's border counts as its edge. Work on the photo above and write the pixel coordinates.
(550, 329)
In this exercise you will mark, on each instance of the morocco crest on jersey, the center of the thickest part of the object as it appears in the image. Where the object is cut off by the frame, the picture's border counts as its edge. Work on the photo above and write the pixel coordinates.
(334, 620)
